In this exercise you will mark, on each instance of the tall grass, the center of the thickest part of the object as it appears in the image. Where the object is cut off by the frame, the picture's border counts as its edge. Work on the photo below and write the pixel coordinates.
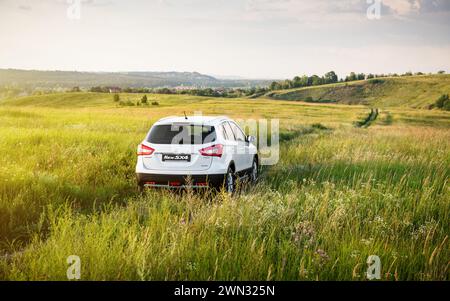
(338, 195)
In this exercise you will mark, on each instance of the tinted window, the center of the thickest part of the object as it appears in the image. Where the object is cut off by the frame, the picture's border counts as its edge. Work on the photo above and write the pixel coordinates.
(237, 132)
(181, 134)
(229, 131)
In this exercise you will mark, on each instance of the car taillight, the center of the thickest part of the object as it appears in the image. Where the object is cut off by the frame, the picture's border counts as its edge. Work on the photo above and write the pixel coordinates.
(212, 151)
(144, 150)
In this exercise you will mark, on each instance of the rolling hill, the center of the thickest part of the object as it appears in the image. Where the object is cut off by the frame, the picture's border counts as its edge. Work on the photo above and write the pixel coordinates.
(67, 79)
(414, 92)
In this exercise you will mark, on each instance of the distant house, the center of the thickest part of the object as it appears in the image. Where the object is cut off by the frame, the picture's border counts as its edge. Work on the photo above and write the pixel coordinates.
(115, 90)
(184, 88)
(220, 90)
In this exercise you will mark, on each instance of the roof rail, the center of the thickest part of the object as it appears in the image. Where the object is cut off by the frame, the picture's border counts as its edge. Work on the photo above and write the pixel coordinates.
(221, 117)
(168, 117)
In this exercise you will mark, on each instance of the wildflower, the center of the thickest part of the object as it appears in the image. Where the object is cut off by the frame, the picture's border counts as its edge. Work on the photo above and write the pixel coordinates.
(191, 266)
(304, 233)
(354, 254)
(322, 255)
(367, 242)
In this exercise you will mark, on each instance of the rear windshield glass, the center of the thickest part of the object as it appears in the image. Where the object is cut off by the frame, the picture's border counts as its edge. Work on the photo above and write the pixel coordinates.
(181, 134)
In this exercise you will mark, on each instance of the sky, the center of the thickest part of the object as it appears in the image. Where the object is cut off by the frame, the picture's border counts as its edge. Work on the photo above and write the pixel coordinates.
(247, 38)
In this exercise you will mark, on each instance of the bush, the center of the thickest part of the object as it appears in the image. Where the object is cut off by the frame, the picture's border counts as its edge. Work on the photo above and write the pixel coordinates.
(376, 81)
(443, 102)
(116, 97)
(319, 126)
(144, 99)
(126, 103)
(155, 103)
(447, 106)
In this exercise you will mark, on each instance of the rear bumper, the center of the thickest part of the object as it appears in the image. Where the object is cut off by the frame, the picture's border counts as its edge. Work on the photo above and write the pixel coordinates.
(179, 181)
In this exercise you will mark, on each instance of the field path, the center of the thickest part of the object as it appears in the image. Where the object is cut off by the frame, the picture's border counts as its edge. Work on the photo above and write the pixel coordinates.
(370, 118)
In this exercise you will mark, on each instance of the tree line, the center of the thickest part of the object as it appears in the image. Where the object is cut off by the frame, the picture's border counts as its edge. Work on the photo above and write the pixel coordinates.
(297, 82)
(331, 78)
(209, 92)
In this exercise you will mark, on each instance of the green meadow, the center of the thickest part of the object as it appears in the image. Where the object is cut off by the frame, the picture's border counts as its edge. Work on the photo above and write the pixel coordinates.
(339, 193)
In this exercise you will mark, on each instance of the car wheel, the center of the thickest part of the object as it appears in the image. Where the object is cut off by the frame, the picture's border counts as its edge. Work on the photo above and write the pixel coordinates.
(254, 171)
(230, 181)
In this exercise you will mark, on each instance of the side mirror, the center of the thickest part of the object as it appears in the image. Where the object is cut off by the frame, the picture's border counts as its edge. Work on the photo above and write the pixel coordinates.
(251, 139)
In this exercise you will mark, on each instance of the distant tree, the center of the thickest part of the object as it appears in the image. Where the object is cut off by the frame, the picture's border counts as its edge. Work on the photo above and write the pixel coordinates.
(370, 76)
(275, 86)
(361, 76)
(76, 89)
(297, 82)
(116, 97)
(409, 73)
(97, 89)
(316, 80)
(287, 84)
(330, 77)
(165, 91)
(441, 72)
(250, 91)
(305, 81)
(209, 92)
(419, 73)
(351, 77)
(144, 99)
(261, 90)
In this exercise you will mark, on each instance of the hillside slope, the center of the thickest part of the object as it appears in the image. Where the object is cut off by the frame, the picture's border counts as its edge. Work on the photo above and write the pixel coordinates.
(414, 91)
(31, 79)
(68, 79)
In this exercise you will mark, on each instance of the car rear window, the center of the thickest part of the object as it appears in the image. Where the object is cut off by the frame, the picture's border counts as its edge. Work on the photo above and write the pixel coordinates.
(181, 134)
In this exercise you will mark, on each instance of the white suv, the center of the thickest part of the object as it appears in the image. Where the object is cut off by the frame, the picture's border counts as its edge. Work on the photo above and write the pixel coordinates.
(196, 152)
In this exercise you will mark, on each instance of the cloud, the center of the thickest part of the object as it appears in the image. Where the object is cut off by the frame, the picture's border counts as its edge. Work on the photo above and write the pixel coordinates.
(98, 2)
(25, 7)
(340, 10)
(308, 11)
(402, 7)
(435, 6)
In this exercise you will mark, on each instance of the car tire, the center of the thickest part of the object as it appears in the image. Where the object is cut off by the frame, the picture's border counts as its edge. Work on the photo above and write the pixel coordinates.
(230, 181)
(254, 172)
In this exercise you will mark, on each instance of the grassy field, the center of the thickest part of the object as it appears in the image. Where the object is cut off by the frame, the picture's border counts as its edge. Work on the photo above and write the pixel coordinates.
(339, 194)
(414, 92)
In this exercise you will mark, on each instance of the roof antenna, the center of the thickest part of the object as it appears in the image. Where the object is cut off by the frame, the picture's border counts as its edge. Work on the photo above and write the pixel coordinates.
(185, 117)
